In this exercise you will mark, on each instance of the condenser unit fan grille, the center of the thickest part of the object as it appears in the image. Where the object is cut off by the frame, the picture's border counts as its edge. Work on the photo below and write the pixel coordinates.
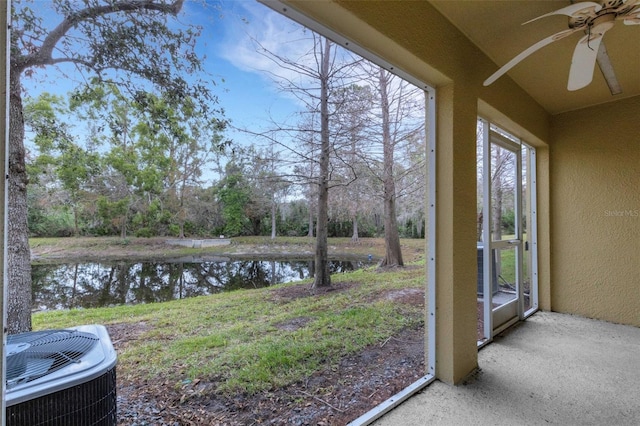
(32, 355)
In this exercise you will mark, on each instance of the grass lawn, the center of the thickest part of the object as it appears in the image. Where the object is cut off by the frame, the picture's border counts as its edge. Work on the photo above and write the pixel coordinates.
(254, 340)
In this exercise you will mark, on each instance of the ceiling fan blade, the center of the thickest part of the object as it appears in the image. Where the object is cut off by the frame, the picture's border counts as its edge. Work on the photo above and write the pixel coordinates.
(572, 10)
(604, 63)
(583, 62)
(631, 18)
(539, 45)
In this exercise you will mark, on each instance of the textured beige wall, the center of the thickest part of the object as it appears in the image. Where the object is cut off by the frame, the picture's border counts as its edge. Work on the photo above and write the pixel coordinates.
(420, 41)
(544, 228)
(595, 220)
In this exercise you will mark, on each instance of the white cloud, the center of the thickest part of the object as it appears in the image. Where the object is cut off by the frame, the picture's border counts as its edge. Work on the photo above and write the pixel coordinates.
(252, 29)
(251, 25)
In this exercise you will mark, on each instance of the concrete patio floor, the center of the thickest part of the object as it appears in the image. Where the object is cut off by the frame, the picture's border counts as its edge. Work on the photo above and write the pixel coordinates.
(551, 369)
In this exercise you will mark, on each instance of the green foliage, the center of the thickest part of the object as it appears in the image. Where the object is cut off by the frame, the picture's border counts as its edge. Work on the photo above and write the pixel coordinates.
(234, 195)
(148, 134)
(113, 215)
(508, 222)
(409, 229)
(295, 221)
(144, 232)
(174, 230)
(367, 228)
(50, 223)
(340, 228)
(42, 117)
(155, 150)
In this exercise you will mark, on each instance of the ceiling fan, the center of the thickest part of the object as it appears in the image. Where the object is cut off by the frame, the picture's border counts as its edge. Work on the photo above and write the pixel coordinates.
(595, 19)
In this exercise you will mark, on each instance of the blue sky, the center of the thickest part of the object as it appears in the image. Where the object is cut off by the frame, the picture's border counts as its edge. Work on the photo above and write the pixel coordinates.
(245, 91)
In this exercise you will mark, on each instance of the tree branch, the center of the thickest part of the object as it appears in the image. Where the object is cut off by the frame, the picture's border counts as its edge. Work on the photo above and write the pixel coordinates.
(43, 56)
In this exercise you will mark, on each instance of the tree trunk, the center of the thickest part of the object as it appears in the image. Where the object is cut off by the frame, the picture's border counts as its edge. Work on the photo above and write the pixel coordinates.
(497, 190)
(123, 228)
(74, 291)
(355, 237)
(182, 218)
(322, 276)
(76, 228)
(181, 280)
(19, 256)
(310, 233)
(273, 280)
(393, 252)
(497, 211)
(273, 220)
(497, 223)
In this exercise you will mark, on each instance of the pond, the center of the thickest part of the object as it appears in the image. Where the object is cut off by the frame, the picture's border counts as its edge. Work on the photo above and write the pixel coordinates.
(97, 284)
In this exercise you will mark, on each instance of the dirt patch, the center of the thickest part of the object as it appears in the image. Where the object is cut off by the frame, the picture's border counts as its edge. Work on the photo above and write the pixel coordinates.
(407, 296)
(293, 324)
(333, 396)
(293, 292)
(122, 334)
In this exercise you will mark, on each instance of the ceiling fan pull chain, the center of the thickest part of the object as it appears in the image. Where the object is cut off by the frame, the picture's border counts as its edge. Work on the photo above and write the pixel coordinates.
(589, 37)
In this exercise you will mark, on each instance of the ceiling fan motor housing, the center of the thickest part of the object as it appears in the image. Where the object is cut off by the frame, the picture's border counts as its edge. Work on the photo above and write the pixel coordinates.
(589, 17)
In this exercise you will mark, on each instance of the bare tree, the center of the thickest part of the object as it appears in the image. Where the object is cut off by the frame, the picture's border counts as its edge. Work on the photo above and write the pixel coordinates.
(316, 76)
(351, 119)
(410, 182)
(503, 169)
(502, 184)
(269, 186)
(400, 117)
(393, 251)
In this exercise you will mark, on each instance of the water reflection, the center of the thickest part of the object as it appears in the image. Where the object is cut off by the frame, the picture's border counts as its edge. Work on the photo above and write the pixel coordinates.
(90, 285)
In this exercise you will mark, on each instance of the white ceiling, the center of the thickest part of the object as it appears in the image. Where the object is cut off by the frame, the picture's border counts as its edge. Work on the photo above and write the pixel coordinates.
(496, 28)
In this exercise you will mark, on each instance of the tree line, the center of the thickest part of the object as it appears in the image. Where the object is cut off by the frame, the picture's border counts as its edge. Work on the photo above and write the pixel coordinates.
(101, 164)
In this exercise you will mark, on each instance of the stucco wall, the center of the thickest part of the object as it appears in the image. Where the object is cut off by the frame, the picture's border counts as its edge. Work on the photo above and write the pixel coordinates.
(595, 219)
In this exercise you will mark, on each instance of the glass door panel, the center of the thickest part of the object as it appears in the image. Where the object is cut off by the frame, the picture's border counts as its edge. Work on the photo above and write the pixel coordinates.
(505, 299)
(507, 262)
(505, 226)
